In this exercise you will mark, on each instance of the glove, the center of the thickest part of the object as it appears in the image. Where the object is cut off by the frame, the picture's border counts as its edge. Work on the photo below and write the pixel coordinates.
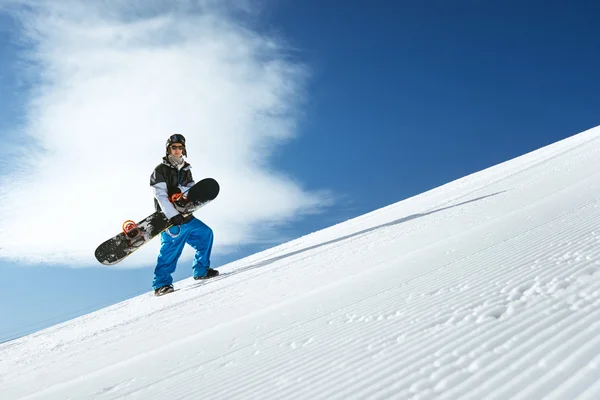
(177, 220)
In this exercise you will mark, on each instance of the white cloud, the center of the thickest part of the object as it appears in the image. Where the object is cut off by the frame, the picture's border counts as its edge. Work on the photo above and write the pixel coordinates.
(115, 80)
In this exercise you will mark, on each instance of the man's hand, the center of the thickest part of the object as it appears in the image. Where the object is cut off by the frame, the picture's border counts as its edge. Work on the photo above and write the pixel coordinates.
(177, 220)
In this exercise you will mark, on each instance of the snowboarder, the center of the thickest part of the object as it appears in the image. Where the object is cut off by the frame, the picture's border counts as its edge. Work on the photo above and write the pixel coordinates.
(169, 178)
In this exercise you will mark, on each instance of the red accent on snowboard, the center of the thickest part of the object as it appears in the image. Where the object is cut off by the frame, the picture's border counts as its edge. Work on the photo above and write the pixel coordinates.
(133, 233)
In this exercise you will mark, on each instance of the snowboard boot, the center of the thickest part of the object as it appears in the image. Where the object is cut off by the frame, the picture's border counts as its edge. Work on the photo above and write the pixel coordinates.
(210, 273)
(164, 290)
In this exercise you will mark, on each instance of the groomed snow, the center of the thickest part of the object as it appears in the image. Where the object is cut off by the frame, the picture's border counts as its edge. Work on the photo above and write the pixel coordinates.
(487, 287)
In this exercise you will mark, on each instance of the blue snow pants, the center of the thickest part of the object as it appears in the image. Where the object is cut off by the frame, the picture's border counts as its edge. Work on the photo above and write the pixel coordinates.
(195, 233)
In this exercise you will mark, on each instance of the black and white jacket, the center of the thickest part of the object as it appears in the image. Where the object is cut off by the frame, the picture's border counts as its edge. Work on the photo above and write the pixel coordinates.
(166, 179)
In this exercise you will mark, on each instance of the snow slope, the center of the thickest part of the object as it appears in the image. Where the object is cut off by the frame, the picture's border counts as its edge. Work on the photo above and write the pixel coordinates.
(487, 287)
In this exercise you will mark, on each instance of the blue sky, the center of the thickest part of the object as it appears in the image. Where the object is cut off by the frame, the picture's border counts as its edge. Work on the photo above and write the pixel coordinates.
(386, 102)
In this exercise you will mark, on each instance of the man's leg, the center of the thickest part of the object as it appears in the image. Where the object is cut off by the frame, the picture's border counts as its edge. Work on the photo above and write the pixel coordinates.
(201, 239)
(170, 251)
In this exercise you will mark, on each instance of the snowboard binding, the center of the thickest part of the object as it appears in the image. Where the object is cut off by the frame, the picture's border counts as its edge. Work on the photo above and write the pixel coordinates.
(178, 199)
(133, 233)
(182, 204)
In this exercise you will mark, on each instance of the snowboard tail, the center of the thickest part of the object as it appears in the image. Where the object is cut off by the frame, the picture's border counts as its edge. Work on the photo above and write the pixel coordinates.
(135, 235)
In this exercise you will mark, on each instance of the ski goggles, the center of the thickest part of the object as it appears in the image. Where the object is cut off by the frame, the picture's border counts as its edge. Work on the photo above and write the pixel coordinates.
(177, 138)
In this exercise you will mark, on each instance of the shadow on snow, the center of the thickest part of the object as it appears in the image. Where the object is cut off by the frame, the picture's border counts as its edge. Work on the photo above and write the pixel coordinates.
(352, 235)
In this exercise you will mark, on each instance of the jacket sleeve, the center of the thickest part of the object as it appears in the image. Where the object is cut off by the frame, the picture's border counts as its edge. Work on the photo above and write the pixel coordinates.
(159, 187)
(187, 187)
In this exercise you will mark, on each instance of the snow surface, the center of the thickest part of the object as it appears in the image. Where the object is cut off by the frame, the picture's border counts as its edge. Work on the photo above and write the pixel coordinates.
(487, 287)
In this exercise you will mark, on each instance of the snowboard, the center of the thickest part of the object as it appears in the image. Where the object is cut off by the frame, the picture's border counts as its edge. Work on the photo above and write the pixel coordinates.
(135, 235)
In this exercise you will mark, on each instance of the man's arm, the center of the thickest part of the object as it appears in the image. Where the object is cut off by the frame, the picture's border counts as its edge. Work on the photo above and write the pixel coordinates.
(159, 187)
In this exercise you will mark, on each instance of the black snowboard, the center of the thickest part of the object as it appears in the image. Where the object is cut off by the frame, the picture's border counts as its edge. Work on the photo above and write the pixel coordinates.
(117, 248)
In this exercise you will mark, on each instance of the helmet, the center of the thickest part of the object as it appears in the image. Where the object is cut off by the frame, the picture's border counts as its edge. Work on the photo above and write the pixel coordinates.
(176, 138)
